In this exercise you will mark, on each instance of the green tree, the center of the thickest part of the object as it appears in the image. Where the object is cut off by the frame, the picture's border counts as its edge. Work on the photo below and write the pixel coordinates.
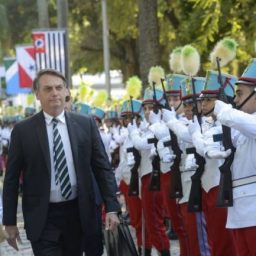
(168, 23)
(149, 47)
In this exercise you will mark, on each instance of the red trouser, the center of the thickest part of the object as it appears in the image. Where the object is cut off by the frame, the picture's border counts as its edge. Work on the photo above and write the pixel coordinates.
(175, 214)
(153, 210)
(244, 241)
(220, 238)
(189, 219)
(135, 211)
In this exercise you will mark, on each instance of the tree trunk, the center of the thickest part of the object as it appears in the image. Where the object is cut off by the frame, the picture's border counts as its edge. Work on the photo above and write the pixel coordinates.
(43, 17)
(148, 38)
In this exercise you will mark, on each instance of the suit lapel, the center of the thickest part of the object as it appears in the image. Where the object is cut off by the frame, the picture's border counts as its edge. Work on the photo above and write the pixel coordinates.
(43, 138)
(72, 130)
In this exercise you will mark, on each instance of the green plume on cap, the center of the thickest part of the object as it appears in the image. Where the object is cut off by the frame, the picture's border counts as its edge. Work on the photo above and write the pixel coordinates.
(100, 98)
(85, 92)
(133, 87)
(190, 60)
(175, 60)
(156, 73)
(30, 99)
(225, 50)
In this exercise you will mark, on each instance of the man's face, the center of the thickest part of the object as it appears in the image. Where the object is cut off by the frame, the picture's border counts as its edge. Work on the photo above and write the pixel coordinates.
(174, 101)
(51, 93)
(208, 105)
(127, 119)
(108, 123)
(188, 109)
(242, 92)
(146, 109)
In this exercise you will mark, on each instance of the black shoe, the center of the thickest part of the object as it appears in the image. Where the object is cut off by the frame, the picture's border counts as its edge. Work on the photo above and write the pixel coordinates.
(165, 253)
(147, 252)
(171, 234)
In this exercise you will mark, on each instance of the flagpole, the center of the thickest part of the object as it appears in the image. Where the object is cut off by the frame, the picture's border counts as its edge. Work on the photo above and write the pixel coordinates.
(106, 46)
(63, 23)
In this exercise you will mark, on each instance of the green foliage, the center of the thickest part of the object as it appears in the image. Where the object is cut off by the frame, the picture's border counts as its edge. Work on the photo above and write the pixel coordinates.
(200, 23)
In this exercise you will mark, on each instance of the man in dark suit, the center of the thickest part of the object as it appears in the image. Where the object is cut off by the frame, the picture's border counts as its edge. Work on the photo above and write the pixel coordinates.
(59, 153)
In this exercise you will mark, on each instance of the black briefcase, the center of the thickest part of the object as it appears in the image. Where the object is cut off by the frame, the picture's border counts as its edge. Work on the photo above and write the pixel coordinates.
(120, 242)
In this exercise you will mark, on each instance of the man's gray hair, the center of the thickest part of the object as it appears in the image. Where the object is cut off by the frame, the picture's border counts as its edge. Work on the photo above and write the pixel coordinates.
(47, 71)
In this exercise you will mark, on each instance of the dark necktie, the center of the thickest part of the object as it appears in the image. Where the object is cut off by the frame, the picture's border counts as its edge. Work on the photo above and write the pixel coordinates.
(60, 163)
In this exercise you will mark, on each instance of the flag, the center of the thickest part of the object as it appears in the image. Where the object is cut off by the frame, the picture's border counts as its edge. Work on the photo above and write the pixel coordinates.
(12, 77)
(50, 49)
(25, 55)
(39, 42)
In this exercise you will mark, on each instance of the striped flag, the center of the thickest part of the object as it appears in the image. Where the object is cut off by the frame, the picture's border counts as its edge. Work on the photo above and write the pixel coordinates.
(12, 77)
(50, 49)
(25, 55)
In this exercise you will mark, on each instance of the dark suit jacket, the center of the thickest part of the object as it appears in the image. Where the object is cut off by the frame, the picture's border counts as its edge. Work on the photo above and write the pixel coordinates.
(29, 152)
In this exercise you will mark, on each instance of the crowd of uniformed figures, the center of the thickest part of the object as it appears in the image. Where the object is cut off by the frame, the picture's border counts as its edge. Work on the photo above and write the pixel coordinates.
(139, 140)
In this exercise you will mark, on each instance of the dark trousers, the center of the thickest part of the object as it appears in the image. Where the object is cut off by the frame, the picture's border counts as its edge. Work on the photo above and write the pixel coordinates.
(62, 233)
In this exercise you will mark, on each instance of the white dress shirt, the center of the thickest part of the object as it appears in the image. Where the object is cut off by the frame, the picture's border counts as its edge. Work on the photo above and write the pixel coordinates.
(55, 194)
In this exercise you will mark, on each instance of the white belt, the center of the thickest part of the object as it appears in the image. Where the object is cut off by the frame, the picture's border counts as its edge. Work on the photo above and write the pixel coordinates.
(244, 181)
(188, 170)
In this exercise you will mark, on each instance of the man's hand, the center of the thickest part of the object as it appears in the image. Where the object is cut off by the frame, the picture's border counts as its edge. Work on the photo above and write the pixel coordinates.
(112, 221)
(12, 236)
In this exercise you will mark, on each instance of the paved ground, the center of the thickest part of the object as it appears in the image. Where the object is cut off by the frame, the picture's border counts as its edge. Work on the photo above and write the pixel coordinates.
(25, 249)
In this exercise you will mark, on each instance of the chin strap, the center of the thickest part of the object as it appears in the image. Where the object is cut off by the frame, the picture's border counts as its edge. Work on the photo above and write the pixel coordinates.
(240, 106)
(178, 106)
(209, 112)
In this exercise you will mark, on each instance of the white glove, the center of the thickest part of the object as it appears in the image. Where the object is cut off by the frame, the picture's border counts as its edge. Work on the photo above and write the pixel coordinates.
(130, 159)
(221, 106)
(160, 130)
(169, 115)
(152, 152)
(144, 125)
(154, 118)
(114, 129)
(164, 152)
(124, 132)
(5, 142)
(190, 163)
(112, 146)
(217, 154)
(132, 127)
(194, 127)
(120, 138)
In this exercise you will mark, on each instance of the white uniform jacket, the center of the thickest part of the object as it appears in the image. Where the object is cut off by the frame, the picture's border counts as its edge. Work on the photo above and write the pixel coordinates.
(187, 164)
(211, 175)
(243, 212)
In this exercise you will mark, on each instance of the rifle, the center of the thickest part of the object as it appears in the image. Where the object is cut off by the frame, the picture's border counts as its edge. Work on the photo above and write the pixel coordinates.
(225, 193)
(195, 196)
(155, 176)
(134, 180)
(175, 184)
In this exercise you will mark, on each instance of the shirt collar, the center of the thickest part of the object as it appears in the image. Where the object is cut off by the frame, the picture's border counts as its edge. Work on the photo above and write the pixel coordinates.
(60, 117)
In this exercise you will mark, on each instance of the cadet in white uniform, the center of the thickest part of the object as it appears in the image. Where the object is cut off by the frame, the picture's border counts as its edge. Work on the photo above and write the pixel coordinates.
(242, 216)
